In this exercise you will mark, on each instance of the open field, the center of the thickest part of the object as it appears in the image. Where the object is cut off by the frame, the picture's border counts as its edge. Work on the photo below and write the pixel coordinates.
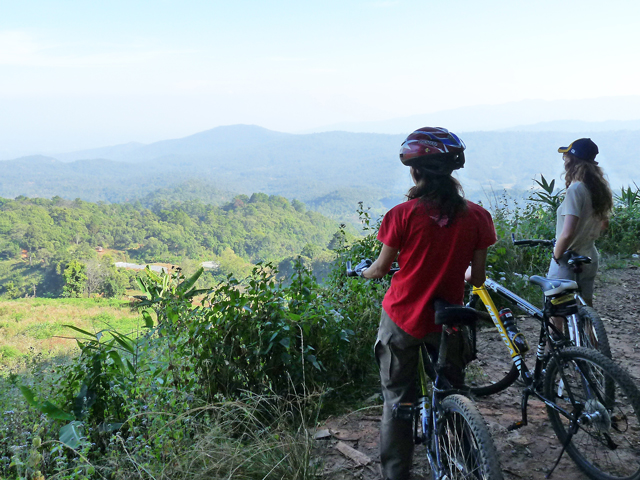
(30, 326)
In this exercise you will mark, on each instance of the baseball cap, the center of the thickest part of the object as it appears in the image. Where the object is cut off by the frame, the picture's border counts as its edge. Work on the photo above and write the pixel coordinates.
(583, 148)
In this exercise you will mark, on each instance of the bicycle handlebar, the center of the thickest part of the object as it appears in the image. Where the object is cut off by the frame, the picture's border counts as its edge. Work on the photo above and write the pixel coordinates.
(350, 271)
(353, 273)
(569, 257)
(532, 242)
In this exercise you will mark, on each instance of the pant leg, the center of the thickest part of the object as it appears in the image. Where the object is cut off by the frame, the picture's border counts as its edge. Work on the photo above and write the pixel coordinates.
(560, 271)
(397, 357)
(587, 277)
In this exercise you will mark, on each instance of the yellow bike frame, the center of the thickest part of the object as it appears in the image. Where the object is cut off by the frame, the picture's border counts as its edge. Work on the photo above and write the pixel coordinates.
(486, 299)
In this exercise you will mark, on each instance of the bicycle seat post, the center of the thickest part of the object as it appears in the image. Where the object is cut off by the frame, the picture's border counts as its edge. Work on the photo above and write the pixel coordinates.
(442, 353)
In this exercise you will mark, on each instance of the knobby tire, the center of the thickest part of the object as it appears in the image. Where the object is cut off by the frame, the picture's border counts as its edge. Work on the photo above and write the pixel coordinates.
(466, 447)
(606, 445)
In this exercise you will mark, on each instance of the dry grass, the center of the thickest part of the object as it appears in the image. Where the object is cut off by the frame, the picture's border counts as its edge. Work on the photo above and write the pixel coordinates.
(30, 326)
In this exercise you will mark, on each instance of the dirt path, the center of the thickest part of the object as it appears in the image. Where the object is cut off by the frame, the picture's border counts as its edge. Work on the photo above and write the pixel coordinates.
(525, 454)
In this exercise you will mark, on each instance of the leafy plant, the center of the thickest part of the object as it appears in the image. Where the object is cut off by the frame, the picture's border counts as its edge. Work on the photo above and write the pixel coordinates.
(627, 197)
(548, 197)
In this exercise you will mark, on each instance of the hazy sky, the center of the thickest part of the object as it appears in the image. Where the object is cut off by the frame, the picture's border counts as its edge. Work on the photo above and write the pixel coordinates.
(85, 74)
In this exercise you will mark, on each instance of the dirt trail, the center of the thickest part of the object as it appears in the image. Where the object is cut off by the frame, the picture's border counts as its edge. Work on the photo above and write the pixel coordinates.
(527, 453)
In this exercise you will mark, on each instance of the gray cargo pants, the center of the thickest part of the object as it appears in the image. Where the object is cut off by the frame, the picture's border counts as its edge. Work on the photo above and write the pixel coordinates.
(585, 279)
(397, 356)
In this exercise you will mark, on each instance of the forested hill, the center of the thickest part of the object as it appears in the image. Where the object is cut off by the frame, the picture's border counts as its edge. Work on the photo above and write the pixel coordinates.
(40, 237)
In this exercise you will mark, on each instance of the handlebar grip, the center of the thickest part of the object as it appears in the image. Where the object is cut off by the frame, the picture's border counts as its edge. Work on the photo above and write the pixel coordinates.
(350, 272)
(534, 243)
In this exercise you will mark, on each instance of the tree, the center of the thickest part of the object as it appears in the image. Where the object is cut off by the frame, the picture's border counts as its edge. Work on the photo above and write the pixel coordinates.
(75, 279)
(115, 284)
(11, 290)
(95, 273)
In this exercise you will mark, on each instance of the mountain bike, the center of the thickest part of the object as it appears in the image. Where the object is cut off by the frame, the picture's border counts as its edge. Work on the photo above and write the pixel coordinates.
(495, 369)
(592, 403)
(450, 426)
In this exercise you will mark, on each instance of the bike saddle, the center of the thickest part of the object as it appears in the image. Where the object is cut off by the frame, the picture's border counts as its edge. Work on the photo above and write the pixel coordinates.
(451, 314)
(553, 286)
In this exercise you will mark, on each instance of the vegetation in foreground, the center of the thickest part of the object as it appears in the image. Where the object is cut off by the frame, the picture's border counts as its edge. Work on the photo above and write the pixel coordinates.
(227, 387)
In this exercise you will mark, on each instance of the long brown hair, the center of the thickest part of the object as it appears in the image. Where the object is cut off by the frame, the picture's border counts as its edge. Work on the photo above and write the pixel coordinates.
(589, 173)
(440, 192)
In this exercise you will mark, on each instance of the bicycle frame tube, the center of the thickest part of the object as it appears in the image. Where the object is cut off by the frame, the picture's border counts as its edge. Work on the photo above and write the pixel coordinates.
(429, 414)
(495, 316)
(512, 297)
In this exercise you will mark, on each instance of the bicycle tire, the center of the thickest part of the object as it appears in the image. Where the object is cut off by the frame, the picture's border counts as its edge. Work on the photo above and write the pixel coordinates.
(466, 447)
(592, 331)
(493, 370)
(607, 443)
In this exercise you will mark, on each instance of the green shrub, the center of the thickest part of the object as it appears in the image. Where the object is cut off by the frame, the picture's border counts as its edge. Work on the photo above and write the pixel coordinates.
(7, 351)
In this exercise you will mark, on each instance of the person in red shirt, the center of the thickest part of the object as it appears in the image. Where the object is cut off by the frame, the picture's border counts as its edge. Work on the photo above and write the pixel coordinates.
(439, 240)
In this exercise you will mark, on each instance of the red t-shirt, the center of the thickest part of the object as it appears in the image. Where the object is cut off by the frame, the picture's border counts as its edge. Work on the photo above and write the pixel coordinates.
(433, 259)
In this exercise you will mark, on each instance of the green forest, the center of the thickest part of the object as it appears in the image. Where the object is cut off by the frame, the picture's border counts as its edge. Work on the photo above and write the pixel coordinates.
(58, 247)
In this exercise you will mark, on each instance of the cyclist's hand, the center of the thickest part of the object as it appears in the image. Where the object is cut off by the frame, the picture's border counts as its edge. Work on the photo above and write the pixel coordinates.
(362, 266)
(564, 258)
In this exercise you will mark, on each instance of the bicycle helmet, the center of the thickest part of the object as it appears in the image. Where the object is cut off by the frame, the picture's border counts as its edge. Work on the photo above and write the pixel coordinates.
(435, 148)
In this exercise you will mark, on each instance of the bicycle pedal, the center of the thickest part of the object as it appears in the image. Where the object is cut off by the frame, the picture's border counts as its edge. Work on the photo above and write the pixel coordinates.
(515, 426)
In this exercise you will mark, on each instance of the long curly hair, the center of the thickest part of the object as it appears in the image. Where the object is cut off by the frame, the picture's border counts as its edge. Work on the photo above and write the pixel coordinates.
(438, 192)
(589, 173)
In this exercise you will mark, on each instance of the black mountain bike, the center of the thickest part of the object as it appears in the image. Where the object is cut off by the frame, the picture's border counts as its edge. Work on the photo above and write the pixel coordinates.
(450, 426)
(592, 403)
(494, 370)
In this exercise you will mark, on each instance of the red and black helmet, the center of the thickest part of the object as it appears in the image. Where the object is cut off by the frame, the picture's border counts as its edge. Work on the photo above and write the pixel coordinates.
(433, 147)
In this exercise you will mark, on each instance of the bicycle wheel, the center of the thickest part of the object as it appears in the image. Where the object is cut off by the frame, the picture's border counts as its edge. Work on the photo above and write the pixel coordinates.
(466, 448)
(606, 444)
(592, 332)
(493, 370)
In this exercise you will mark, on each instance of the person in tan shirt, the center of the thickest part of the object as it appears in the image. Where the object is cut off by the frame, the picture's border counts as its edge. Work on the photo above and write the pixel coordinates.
(583, 214)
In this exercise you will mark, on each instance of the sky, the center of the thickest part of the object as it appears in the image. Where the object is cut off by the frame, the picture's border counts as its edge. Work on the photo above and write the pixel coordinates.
(78, 74)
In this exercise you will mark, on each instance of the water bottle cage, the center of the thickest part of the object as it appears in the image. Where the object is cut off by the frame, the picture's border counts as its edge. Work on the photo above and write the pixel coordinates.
(404, 411)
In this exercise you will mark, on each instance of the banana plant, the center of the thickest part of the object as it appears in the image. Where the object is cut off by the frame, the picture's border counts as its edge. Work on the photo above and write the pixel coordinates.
(547, 196)
(627, 197)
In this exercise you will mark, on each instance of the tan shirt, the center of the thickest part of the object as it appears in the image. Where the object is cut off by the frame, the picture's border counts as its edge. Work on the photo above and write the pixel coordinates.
(578, 202)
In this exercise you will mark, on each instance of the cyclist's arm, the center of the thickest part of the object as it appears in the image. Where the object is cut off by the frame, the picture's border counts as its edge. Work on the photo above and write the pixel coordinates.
(381, 266)
(476, 274)
(566, 237)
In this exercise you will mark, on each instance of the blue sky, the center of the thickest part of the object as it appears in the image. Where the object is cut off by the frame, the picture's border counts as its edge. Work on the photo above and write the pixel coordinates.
(82, 74)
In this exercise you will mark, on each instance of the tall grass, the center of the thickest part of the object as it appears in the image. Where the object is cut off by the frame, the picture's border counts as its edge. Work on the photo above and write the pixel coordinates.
(32, 326)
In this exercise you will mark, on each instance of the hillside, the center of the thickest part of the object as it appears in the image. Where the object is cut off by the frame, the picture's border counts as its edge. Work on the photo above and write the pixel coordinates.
(40, 239)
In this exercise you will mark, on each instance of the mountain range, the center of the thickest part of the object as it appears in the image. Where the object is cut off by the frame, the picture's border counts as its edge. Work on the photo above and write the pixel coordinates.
(329, 171)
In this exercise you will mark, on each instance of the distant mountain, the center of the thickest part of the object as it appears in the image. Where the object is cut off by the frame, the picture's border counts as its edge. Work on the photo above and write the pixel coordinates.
(117, 152)
(328, 171)
(503, 116)
(217, 140)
